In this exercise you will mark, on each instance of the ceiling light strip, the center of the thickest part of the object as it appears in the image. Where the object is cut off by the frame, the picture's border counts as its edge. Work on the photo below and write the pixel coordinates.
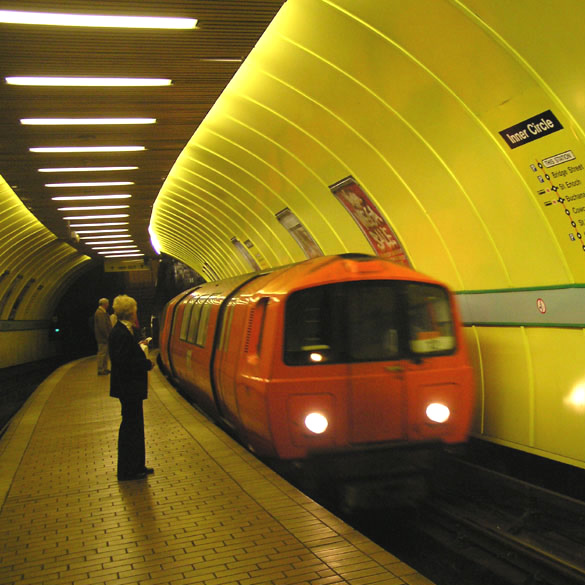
(108, 242)
(94, 184)
(88, 81)
(84, 121)
(78, 225)
(95, 20)
(101, 231)
(105, 237)
(86, 169)
(113, 247)
(89, 197)
(51, 149)
(114, 250)
(100, 216)
(93, 208)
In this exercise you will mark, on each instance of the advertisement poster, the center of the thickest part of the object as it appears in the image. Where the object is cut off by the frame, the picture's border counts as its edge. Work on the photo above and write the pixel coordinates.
(299, 233)
(250, 254)
(370, 221)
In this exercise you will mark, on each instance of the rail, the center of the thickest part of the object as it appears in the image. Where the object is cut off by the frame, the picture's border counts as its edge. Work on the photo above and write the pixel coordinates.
(518, 532)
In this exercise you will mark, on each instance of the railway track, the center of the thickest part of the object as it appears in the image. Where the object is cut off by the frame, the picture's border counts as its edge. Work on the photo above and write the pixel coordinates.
(505, 529)
(18, 383)
(481, 527)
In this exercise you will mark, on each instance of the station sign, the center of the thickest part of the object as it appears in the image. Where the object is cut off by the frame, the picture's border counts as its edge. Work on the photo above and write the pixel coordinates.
(124, 264)
(531, 129)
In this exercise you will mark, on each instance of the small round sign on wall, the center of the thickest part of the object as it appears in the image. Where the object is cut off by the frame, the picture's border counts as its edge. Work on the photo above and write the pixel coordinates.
(541, 306)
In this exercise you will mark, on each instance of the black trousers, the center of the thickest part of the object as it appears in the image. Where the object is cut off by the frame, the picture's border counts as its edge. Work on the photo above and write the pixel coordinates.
(131, 449)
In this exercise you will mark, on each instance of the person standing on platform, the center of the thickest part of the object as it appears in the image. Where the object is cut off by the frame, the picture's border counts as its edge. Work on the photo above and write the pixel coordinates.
(102, 327)
(129, 383)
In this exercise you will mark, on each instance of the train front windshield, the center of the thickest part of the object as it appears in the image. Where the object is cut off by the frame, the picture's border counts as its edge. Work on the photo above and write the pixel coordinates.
(367, 321)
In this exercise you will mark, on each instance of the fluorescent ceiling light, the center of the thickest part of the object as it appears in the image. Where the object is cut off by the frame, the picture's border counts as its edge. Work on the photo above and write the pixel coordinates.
(109, 236)
(221, 60)
(78, 225)
(95, 184)
(89, 81)
(101, 231)
(84, 121)
(86, 169)
(89, 197)
(95, 20)
(108, 242)
(114, 247)
(122, 255)
(119, 252)
(102, 216)
(87, 148)
(93, 208)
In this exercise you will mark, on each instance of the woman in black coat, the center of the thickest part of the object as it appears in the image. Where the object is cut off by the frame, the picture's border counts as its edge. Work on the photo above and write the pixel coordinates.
(129, 383)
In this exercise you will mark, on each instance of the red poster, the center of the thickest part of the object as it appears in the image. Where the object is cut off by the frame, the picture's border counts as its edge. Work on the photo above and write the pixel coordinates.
(373, 225)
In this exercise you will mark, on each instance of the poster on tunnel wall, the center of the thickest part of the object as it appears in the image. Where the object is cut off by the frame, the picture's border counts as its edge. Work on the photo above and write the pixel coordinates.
(373, 225)
(299, 233)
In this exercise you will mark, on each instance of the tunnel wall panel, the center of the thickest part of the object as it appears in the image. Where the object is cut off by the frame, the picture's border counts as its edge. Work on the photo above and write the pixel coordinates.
(21, 347)
(531, 389)
(35, 270)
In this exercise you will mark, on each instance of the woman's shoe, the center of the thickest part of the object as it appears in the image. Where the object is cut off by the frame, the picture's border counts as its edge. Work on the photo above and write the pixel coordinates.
(139, 475)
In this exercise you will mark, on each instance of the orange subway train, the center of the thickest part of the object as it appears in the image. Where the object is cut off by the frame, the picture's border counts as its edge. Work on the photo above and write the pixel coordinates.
(335, 355)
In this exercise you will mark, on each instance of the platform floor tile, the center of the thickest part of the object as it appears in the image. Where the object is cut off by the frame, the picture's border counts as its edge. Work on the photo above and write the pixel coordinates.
(211, 514)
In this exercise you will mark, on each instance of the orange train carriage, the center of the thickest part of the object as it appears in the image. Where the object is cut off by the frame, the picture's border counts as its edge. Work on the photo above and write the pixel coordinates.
(338, 354)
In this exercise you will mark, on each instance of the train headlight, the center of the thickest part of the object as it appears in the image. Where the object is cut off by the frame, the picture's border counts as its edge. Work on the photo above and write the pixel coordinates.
(316, 423)
(438, 412)
(316, 357)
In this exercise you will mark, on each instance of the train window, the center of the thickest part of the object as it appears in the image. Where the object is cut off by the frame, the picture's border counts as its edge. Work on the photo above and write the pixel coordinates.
(367, 321)
(373, 321)
(195, 319)
(430, 324)
(262, 304)
(203, 321)
(314, 326)
(253, 344)
(226, 325)
(186, 318)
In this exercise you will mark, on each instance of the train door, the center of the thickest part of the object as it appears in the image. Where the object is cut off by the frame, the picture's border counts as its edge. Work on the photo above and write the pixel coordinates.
(357, 326)
(171, 314)
(225, 365)
(377, 390)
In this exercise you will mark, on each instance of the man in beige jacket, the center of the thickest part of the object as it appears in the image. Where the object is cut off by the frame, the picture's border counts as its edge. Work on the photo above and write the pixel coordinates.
(102, 327)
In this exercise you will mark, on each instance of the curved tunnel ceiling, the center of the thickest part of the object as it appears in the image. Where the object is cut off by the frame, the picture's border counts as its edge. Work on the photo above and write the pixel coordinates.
(411, 100)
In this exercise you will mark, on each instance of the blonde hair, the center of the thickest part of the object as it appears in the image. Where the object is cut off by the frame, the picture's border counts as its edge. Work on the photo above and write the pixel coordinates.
(124, 307)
